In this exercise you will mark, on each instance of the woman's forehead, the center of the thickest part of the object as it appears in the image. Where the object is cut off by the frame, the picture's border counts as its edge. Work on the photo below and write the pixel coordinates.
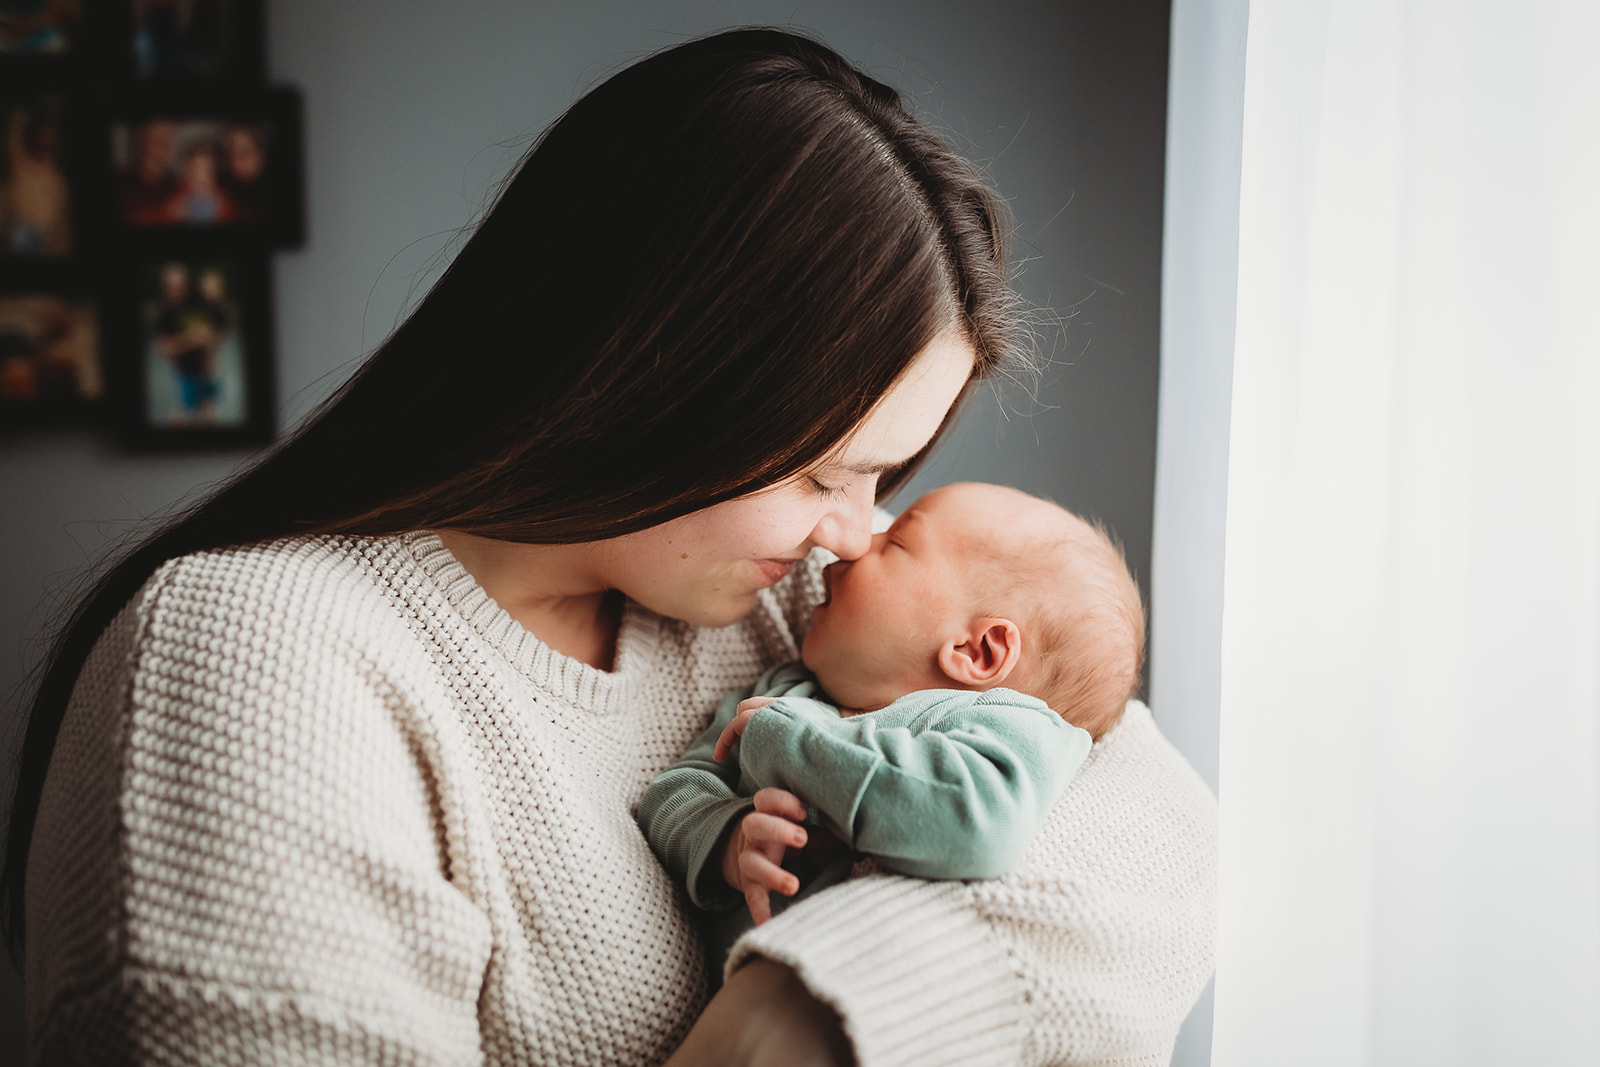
(902, 423)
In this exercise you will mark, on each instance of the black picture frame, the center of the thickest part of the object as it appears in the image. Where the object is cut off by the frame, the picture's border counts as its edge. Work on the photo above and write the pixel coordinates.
(50, 179)
(174, 156)
(163, 42)
(54, 367)
(48, 40)
(88, 335)
(192, 366)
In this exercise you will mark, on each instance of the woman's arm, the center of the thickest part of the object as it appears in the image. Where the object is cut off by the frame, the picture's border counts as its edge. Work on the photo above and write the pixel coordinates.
(765, 1017)
(237, 858)
(1091, 952)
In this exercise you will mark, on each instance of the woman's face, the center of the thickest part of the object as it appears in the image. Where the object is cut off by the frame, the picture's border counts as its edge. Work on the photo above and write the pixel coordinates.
(707, 567)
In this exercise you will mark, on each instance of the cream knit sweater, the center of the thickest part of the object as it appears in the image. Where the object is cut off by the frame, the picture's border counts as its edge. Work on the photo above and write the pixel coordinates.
(323, 801)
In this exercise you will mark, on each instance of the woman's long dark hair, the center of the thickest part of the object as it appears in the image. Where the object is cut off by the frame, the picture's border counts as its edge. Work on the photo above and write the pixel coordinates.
(700, 279)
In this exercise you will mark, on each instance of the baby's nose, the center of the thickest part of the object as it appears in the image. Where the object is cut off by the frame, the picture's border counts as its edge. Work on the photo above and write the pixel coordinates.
(830, 574)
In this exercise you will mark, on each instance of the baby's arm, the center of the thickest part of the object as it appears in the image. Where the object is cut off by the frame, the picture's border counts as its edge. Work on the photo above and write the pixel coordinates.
(940, 784)
(694, 806)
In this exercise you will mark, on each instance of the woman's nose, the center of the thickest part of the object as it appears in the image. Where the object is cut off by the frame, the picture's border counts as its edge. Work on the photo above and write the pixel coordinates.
(846, 530)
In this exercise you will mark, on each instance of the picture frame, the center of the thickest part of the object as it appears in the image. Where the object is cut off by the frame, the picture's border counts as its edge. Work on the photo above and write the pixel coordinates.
(45, 37)
(53, 368)
(163, 42)
(209, 167)
(145, 173)
(49, 181)
(192, 362)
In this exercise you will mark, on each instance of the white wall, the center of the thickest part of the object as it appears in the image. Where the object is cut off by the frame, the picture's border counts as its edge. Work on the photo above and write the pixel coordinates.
(1199, 275)
(1199, 270)
(414, 109)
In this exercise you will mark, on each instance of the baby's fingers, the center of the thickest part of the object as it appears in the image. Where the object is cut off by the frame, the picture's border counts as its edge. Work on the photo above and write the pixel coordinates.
(732, 731)
(741, 719)
(763, 831)
(725, 741)
(759, 903)
(775, 801)
(758, 872)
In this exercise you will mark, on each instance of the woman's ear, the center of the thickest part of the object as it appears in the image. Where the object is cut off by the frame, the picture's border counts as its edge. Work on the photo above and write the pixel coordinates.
(983, 656)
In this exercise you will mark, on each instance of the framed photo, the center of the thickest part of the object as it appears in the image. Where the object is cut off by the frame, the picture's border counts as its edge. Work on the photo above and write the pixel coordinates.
(185, 40)
(197, 163)
(42, 176)
(46, 29)
(195, 369)
(51, 371)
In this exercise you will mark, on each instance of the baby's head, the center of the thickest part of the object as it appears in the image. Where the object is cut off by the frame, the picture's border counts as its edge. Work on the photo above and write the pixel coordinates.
(977, 586)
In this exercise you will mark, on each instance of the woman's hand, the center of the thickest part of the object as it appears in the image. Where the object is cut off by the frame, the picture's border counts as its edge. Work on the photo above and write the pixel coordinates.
(765, 1017)
(751, 859)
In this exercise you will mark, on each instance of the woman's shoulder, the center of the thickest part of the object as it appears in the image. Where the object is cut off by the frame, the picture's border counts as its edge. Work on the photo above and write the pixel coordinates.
(318, 581)
(243, 649)
(285, 632)
(320, 559)
(252, 755)
(248, 614)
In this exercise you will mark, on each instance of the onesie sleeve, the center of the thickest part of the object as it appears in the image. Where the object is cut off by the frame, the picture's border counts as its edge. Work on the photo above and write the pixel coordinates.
(942, 783)
(239, 856)
(686, 809)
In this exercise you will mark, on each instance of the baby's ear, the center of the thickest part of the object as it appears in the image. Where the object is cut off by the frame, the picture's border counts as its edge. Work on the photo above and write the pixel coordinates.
(983, 656)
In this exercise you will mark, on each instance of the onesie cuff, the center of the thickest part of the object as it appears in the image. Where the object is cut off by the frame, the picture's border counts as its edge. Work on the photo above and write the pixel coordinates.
(914, 972)
(705, 884)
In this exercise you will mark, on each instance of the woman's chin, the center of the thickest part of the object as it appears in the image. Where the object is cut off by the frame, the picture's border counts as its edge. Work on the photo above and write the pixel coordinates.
(712, 612)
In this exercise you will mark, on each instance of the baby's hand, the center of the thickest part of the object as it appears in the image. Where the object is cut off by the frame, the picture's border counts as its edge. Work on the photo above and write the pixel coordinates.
(735, 729)
(751, 858)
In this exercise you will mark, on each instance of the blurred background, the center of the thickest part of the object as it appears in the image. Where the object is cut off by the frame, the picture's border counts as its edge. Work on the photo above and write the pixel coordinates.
(413, 111)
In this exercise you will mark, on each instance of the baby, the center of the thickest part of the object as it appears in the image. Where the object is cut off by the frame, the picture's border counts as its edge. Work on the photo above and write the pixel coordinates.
(919, 730)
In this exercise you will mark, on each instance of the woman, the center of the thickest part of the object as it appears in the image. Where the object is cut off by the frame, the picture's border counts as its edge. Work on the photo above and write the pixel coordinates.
(327, 786)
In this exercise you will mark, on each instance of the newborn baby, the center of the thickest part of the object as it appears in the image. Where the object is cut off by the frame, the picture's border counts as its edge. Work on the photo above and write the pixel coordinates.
(951, 683)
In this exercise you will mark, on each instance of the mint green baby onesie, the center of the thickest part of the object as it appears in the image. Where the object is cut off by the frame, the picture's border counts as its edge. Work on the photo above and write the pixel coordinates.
(942, 783)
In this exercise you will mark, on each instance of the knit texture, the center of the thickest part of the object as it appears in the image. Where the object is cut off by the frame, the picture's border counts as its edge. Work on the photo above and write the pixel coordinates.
(323, 801)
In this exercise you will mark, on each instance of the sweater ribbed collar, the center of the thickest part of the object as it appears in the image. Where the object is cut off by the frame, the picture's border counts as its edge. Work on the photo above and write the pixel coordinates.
(569, 680)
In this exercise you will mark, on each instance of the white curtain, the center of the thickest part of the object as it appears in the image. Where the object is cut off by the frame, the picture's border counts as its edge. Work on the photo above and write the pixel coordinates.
(1410, 689)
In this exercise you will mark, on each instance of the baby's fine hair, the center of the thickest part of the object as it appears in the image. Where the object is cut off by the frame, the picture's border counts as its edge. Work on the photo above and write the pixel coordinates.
(1085, 625)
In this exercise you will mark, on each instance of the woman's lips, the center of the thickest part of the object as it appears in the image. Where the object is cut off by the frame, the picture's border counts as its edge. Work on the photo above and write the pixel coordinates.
(773, 571)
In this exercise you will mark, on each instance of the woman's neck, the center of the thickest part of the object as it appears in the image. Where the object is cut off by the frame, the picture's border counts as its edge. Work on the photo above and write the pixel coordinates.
(549, 589)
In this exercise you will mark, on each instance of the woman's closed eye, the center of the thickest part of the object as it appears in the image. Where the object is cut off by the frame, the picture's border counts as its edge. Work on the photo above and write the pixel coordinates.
(823, 489)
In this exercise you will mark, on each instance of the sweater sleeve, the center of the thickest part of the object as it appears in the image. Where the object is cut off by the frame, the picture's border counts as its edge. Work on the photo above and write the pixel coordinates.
(1091, 952)
(241, 854)
(941, 783)
(688, 807)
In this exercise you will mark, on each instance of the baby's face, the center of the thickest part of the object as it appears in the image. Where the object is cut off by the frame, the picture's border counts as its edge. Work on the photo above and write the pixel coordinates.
(877, 634)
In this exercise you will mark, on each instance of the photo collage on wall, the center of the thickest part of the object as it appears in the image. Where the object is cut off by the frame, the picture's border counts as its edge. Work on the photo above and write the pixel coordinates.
(146, 174)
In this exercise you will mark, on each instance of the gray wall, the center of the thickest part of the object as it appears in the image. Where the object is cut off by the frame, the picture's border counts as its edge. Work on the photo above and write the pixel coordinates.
(414, 109)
